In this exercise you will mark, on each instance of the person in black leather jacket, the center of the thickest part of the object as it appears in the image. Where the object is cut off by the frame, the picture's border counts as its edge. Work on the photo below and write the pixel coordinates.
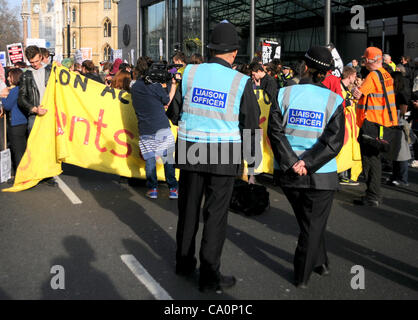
(32, 85)
(31, 91)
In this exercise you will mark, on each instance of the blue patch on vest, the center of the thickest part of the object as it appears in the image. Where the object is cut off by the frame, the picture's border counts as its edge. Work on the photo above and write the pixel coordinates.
(306, 118)
(209, 98)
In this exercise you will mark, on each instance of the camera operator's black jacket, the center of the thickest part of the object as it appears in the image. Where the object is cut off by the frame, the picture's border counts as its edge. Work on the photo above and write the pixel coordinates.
(28, 91)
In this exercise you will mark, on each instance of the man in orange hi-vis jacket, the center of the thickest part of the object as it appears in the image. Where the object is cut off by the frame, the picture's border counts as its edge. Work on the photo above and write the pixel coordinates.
(376, 109)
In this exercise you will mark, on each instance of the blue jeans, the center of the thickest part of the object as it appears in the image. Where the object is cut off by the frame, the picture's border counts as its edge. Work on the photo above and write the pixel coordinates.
(151, 172)
(400, 171)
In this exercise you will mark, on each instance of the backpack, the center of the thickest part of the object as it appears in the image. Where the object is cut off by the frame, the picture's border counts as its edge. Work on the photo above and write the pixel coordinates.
(249, 199)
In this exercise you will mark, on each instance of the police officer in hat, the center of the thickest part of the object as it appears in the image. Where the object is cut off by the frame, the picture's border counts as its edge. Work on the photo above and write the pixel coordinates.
(212, 107)
(306, 132)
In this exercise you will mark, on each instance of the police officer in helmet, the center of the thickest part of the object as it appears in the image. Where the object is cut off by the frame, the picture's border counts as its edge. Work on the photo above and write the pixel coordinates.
(306, 133)
(212, 107)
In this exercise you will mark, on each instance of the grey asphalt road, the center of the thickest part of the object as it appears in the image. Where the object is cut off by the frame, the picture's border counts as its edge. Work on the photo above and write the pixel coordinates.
(41, 228)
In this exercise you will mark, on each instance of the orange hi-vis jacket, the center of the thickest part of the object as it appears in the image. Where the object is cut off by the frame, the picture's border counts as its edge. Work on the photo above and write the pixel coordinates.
(376, 104)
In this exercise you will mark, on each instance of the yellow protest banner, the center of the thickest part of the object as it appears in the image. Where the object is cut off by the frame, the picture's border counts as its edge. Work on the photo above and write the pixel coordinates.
(350, 155)
(265, 105)
(95, 127)
(88, 125)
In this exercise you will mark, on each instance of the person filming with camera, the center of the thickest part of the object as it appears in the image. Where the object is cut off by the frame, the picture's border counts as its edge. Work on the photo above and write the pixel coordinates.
(149, 98)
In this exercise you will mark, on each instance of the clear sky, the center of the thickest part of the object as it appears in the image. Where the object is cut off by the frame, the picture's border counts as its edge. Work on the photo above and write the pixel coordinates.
(14, 3)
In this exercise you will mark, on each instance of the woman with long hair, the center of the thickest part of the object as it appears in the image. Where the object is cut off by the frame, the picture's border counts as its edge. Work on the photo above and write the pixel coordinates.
(122, 80)
(18, 121)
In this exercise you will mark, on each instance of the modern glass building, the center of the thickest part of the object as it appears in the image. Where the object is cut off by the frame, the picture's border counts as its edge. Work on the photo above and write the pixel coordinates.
(296, 24)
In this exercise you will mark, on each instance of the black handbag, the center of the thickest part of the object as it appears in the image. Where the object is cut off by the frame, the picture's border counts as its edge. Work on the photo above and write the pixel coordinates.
(385, 140)
(249, 199)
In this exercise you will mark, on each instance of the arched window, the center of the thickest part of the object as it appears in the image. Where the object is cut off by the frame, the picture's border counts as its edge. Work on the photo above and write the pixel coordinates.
(107, 52)
(107, 28)
(73, 15)
(107, 4)
(74, 42)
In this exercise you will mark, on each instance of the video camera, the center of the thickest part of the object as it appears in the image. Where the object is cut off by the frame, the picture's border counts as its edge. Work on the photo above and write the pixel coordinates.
(160, 73)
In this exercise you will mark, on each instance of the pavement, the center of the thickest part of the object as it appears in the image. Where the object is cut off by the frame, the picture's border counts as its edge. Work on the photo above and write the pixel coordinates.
(51, 248)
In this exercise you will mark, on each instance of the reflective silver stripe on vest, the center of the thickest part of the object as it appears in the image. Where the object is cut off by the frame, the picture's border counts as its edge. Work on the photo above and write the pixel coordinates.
(190, 79)
(377, 108)
(303, 133)
(285, 103)
(211, 134)
(330, 105)
(208, 113)
(380, 95)
(313, 134)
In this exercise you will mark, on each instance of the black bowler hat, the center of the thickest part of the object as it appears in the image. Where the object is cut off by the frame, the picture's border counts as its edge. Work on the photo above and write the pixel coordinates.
(319, 58)
(224, 38)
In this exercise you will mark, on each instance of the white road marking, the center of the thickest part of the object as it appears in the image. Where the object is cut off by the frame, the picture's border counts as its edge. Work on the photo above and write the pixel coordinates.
(67, 191)
(142, 274)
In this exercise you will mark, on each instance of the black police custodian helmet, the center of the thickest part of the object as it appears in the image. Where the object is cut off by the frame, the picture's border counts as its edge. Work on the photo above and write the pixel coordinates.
(319, 58)
(224, 38)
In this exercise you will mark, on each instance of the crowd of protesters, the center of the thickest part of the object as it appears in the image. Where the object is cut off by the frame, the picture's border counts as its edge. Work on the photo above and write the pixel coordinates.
(22, 91)
(155, 102)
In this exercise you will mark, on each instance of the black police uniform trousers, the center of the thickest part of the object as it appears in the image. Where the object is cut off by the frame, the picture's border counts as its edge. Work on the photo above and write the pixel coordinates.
(372, 170)
(217, 190)
(312, 208)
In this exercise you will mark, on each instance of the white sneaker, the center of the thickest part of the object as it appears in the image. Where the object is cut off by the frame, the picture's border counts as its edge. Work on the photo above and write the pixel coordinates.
(414, 164)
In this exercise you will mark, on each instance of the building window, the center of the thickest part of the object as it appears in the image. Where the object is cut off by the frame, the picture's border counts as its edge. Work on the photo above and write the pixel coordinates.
(48, 27)
(73, 15)
(107, 28)
(74, 41)
(107, 52)
(108, 4)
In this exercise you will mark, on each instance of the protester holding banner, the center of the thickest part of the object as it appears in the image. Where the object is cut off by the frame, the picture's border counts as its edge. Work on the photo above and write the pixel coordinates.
(33, 84)
(349, 159)
(306, 133)
(88, 70)
(45, 56)
(18, 121)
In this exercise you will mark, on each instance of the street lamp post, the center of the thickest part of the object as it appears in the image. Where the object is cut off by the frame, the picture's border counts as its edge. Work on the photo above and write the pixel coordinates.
(68, 29)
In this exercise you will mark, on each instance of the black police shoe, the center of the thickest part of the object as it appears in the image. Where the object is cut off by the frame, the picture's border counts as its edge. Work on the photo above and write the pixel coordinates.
(301, 285)
(223, 282)
(322, 270)
(366, 202)
(50, 182)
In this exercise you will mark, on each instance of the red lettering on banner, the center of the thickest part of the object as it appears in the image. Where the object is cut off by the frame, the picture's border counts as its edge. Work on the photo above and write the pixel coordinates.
(100, 125)
(64, 119)
(261, 121)
(62, 123)
(73, 122)
(60, 130)
(122, 143)
(23, 167)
